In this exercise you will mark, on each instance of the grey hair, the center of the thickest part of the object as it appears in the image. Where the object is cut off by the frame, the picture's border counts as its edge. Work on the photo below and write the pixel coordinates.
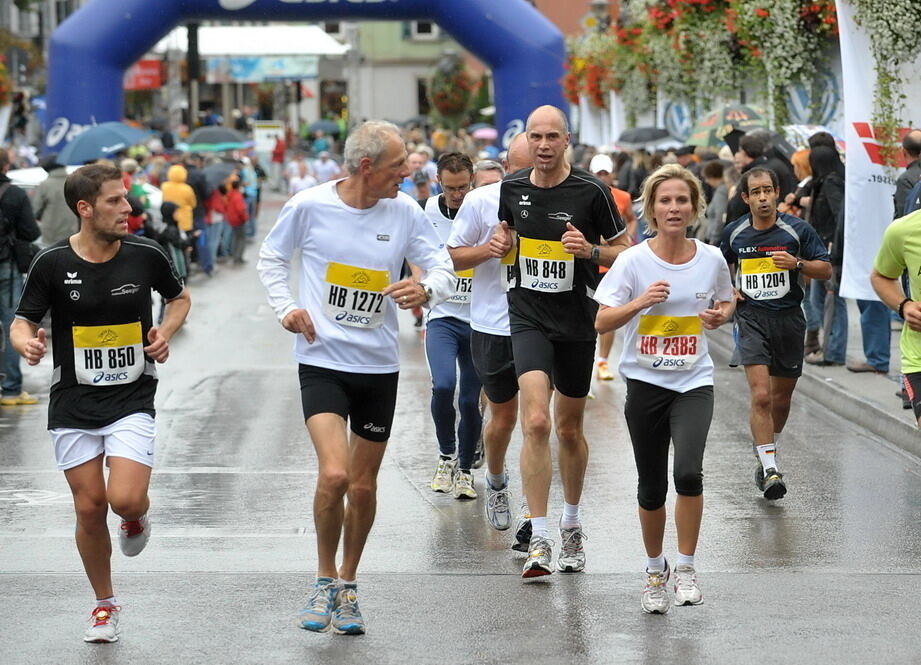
(488, 165)
(369, 140)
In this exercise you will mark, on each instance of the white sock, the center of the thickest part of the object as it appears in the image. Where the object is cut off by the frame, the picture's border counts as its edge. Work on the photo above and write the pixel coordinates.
(685, 560)
(601, 359)
(571, 517)
(766, 456)
(106, 602)
(655, 564)
(497, 482)
(342, 581)
(539, 527)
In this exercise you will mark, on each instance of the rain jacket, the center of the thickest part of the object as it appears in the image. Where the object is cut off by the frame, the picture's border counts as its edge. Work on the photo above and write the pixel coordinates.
(176, 190)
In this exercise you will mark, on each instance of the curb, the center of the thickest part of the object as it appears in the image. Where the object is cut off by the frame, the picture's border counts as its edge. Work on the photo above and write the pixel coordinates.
(838, 399)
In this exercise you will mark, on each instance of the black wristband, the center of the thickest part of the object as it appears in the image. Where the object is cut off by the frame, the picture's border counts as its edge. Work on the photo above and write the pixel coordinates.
(902, 306)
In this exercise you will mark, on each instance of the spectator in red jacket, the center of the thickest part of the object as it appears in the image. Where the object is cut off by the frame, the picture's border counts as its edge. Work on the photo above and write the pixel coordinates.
(235, 215)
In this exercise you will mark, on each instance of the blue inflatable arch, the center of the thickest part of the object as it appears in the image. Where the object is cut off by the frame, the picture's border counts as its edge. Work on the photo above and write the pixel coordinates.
(90, 51)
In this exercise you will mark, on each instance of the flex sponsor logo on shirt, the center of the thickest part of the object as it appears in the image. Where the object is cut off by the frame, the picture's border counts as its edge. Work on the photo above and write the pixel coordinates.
(668, 342)
(72, 279)
(125, 290)
(353, 295)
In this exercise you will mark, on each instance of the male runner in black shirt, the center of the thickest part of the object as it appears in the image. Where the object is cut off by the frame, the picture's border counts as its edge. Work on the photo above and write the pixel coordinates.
(567, 225)
(97, 285)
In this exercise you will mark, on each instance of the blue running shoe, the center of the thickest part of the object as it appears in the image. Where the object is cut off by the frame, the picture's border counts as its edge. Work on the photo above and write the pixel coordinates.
(317, 615)
(347, 619)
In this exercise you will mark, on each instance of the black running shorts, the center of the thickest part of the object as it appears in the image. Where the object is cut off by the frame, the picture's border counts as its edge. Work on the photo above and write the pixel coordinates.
(913, 389)
(772, 338)
(367, 401)
(494, 365)
(569, 364)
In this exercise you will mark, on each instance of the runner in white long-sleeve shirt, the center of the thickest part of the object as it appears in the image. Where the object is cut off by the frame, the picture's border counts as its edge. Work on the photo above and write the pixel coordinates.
(353, 235)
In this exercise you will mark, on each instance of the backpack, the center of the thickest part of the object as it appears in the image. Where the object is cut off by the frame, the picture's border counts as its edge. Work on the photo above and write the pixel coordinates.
(913, 200)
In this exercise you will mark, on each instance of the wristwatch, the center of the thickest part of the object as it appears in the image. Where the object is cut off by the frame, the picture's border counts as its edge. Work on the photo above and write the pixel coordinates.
(596, 253)
(427, 290)
(799, 264)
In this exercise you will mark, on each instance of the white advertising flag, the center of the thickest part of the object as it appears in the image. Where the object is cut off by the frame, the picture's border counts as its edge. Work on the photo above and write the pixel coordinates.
(869, 185)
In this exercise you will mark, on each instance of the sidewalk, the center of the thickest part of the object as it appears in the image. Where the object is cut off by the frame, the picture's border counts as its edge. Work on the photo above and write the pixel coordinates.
(866, 399)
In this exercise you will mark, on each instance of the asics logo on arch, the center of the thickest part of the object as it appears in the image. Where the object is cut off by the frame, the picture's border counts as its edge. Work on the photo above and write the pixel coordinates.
(236, 5)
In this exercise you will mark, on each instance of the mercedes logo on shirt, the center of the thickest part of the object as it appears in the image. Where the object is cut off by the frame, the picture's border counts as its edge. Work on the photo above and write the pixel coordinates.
(75, 295)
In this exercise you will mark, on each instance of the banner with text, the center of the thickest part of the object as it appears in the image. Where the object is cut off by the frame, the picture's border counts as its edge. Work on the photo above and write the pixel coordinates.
(869, 187)
(261, 69)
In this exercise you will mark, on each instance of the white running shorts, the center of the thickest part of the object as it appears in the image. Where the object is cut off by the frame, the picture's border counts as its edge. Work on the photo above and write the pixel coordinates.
(131, 437)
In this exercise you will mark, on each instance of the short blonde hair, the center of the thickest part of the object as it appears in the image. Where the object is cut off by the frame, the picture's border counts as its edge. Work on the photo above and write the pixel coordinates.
(660, 175)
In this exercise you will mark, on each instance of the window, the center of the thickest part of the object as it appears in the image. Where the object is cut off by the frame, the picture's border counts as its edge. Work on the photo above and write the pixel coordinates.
(333, 28)
(425, 30)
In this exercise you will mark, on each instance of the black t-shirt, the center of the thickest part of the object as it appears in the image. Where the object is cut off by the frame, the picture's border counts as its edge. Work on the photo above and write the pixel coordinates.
(553, 290)
(764, 285)
(100, 317)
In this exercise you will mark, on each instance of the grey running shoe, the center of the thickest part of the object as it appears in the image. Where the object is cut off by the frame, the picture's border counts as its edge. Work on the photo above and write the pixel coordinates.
(103, 625)
(497, 510)
(540, 557)
(572, 555)
(443, 480)
(133, 535)
(319, 610)
(522, 529)
(347, 619)
(655, 595)
(463, 485)
(771, 483)
(686, 590)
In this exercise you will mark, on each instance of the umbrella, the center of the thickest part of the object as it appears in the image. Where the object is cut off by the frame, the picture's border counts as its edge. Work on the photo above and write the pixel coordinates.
(216, 174)
(215, 135)
(325, 126)
(101, 141)
(478, 125)
(643, 135)
(711, 129)
(798, 135)
(485, 134)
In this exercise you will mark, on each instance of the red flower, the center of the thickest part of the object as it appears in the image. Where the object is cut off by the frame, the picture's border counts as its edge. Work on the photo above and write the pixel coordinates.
(763, 13)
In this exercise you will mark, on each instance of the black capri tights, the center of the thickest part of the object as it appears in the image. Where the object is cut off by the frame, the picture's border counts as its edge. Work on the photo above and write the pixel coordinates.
(656, 416)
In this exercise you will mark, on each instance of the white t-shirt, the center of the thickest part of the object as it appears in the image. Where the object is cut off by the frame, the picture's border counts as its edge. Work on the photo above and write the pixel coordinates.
(458, 305)
(474, 225)
(347, 257)
(293, 169)
(299, 184)
(665, 344)
(325, 171)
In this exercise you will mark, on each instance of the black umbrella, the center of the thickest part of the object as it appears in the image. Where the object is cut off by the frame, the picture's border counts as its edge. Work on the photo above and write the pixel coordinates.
(643, 135)
(215, 135)
(216, 174)
(325, 126)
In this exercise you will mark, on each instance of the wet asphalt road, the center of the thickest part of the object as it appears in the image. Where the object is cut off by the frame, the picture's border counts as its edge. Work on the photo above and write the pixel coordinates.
(831, 573)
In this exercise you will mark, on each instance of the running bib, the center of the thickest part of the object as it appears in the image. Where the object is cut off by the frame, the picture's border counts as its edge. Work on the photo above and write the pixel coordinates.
(762, 280)
(507, 271)
(462, 288)
(669, 342)
(108, 355)
(353, 295)
(545, 266)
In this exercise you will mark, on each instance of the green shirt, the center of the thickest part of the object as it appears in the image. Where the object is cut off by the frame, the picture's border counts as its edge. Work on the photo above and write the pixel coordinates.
(901, 250)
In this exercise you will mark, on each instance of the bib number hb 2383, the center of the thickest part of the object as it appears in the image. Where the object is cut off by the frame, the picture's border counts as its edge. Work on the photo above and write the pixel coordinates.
(668, 342)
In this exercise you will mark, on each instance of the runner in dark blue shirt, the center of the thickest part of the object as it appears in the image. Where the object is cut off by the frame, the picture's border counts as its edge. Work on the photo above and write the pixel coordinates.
(768, 253)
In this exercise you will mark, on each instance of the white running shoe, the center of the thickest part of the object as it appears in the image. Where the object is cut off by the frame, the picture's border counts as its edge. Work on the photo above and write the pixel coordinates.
(497, 509)
(686, 590)
(655, 595)
(463, 485)
(103, 625)
(443, 480)
(133, 535)
(572, 555)
(540, 556)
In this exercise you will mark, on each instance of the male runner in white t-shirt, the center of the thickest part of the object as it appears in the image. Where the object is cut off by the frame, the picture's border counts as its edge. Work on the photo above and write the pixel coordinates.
(476, 241)
(352, 235)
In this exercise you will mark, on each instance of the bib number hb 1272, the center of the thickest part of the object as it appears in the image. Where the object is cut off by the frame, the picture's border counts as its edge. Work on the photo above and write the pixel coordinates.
(353, 295)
